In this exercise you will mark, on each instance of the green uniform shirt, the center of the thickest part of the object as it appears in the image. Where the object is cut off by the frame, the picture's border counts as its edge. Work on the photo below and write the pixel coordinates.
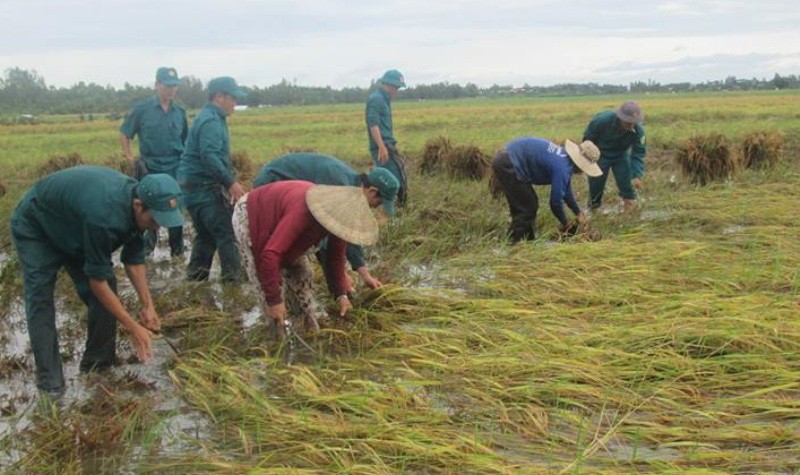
(86, 213)
(161, 134)
(319, 169)
(379, 112)
(206, 160)
(313, 167)
(615, 143)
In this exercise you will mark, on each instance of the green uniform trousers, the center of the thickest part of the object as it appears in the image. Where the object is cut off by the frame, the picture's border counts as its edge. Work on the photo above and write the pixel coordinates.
(623, 175)
(213, 232)
(40, 262)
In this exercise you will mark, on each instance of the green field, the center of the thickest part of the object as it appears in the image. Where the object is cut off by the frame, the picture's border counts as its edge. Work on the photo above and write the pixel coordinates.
(670, 345)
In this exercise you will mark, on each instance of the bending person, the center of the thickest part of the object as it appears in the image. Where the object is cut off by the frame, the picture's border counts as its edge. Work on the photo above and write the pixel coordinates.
(380, 187)
(536, 161)
(276, 224)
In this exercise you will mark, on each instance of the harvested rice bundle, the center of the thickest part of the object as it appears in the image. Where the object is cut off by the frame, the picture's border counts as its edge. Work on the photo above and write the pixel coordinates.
(762, 149)
(467, 162)
(243, 166)
(434, 155)
(706, 158)
(59, 163)
(120, 163)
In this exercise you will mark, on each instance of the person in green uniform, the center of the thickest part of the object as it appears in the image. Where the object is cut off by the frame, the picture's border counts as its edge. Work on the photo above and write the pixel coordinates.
(161, 125)
(620, 137)
(380, 132)
(322, 169)
(209, 184)
(76, 218)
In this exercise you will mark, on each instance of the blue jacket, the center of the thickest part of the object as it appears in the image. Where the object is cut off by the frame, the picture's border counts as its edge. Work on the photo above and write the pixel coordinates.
(541, 162)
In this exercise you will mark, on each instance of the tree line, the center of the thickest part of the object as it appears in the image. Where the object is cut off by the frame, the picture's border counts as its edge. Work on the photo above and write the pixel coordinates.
(26, 92)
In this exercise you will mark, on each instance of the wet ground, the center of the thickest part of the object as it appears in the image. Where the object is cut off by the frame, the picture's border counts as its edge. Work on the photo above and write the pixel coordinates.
(150, 382)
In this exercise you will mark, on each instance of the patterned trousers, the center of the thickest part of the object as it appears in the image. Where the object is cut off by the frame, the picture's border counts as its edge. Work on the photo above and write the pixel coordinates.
(298, 276)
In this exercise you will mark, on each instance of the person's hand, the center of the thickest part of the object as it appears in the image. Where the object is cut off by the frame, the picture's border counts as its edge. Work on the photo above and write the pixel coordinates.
(368, 279)
(236, 191)
(277, 312)
(383, 154)
(344, 305)
(349, 285)
(371, 281)
(569, 229)
(581, 218)
(149, 319)
(142, 341)
(637, 183)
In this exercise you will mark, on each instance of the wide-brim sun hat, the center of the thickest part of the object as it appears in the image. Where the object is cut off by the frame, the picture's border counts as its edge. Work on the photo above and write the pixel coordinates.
(585, 156)
(344, 212)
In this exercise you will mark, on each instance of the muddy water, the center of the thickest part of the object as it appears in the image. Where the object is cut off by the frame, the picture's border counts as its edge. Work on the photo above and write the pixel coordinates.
(18, 394)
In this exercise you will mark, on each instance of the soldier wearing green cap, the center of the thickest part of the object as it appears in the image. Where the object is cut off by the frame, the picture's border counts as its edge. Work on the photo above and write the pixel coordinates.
(380, 132)
(76, 218)
(161, 125)
(620, 136)
(209, 184)
(379, 185)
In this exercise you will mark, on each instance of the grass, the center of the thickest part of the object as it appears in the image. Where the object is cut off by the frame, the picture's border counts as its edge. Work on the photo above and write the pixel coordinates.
(672, 345)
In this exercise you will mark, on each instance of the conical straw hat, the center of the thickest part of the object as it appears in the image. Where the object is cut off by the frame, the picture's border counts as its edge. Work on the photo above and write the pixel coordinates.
(344, 212)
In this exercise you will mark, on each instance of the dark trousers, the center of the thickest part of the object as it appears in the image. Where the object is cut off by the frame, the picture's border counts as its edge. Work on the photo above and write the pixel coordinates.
(175, 240)
(523, 203)
(213, 232)
(396, 164)
(141, 169)
(40, 262)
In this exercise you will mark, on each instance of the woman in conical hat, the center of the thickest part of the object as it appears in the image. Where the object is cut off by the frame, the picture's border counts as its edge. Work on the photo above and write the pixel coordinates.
(275, 226)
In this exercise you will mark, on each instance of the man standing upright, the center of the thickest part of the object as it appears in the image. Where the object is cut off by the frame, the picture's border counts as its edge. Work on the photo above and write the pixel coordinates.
(380, 132)
(620, 137)
(162, 128)
(209, 186)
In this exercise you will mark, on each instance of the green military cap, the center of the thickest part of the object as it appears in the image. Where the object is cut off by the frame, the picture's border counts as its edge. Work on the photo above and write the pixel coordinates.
(387, 185)
(167, 76)
(394, 78)
(226, 85)
(160, 193)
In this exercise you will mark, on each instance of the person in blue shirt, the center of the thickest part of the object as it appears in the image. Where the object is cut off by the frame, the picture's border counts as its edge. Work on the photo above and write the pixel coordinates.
(536, 161)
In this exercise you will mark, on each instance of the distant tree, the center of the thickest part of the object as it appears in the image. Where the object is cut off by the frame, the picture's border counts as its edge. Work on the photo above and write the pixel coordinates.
(23, 91)
(192, 92)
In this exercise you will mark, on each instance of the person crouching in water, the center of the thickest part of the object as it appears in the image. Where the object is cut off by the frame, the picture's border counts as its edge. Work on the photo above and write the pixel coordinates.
(536, 161)
(277, 224)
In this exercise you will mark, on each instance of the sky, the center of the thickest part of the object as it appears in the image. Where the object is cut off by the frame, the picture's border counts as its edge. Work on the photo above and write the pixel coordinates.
(341, 43)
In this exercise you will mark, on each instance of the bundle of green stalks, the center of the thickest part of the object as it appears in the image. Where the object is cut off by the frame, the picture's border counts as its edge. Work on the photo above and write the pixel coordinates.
(244, 167)
(762, 149)
(60, 162)
(707, 158)
(434, 155)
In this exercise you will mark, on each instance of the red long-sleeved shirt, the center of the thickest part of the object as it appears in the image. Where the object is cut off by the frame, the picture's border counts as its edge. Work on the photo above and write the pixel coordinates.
(282, 228)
